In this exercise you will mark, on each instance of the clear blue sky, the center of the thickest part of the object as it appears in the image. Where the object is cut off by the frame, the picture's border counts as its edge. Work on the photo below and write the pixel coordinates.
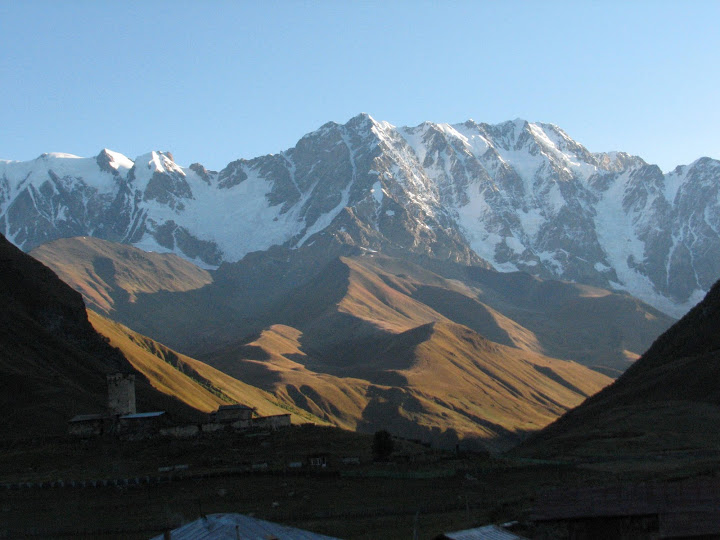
(214, 81)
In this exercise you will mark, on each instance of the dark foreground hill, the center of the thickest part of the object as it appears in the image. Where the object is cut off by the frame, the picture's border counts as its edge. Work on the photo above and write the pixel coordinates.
(668, 401)
(52, 362)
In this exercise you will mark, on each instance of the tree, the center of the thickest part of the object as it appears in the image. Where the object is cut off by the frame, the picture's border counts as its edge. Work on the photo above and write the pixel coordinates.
(383, 445)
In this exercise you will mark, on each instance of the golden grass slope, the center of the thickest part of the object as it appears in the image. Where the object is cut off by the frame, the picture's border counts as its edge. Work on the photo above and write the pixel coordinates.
(190, 381)
(518, 390)
(378, 358)
(452, 384)
(105, 272)
(274, 361)
(408, 296)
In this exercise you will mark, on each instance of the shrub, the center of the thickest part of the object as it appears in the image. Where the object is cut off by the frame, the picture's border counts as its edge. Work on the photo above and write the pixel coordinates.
(383, 445)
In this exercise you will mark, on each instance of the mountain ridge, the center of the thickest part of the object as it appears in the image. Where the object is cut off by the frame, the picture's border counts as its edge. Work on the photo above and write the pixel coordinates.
(199, 311)
(512, 196)
(438, 352)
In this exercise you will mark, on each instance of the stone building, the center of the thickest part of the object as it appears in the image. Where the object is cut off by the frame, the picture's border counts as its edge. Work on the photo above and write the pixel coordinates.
(232, 413)
(141, 425)
(90, 425)
(122, 419)
(121, 393)
(274, 422)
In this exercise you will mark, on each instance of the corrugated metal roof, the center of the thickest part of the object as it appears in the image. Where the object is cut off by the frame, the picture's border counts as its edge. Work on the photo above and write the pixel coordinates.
(142, 415)
(488, 532)
(233, 526)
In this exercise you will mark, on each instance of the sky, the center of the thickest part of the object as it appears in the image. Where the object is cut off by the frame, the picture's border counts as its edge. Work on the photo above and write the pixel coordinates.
(215, 81)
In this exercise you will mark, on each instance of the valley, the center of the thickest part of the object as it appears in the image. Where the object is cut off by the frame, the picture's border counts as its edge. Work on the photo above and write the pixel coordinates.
(451, 355)
(468, 288)
(315, 270)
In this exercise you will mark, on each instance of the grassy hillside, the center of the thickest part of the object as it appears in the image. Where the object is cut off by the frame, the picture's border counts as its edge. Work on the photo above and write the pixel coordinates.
(157, 294)
(195, 311)
(186, 379)
(52, 362)
(109, 275)
(432, 350)
(668, 401)
(375, 357)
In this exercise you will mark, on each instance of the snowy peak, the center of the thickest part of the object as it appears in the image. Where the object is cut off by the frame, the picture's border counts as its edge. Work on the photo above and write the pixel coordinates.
(113, 162)
(361, 122)
(52, 156)
(160, 179)
(617, 161)
(705, 165)
(157, 162)
(520, 195)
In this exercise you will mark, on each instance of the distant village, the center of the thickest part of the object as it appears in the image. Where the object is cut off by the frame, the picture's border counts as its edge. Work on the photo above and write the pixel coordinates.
(122, 419)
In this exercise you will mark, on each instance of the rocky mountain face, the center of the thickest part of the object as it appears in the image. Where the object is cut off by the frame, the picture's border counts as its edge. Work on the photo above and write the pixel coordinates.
(513, 196)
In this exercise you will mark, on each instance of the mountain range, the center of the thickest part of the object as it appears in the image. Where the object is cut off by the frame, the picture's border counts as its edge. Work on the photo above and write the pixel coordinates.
(512, 196)
(468, 282)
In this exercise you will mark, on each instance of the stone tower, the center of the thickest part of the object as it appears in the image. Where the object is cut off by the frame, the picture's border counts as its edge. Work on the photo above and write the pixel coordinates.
(121, 393)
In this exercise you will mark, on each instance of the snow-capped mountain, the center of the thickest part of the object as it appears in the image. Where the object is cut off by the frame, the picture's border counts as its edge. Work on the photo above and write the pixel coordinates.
(521, 196)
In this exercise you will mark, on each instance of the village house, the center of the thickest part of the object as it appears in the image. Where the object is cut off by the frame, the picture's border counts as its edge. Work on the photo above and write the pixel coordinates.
(243, 417)
(232, 413)
(123, 420)
(90, 425)
(273, 422)
(121, 417)
(140, 425)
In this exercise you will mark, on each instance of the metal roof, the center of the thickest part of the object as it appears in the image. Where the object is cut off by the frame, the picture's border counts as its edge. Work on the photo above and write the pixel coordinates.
(233, 526)
(142, 415)
(87, 417)
(488, 532)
